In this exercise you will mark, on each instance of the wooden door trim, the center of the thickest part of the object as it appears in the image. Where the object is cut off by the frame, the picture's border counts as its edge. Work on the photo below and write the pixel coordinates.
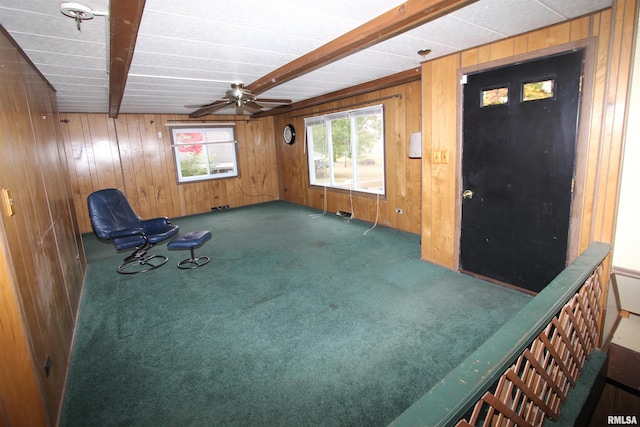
(589, 45)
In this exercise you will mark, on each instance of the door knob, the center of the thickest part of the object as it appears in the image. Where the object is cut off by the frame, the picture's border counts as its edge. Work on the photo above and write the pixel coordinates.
(467, 194)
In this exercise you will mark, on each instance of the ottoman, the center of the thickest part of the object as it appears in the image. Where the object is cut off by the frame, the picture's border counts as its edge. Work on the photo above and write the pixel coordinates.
(191, 240)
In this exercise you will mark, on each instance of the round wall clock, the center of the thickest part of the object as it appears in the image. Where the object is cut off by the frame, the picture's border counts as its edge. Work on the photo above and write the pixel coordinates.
(289, 134)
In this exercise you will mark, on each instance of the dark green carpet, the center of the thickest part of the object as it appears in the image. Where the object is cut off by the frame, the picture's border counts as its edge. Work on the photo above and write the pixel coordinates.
(296, 321)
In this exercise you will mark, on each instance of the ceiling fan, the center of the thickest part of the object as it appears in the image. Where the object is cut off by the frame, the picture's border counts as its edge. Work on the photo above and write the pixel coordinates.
(242, 99)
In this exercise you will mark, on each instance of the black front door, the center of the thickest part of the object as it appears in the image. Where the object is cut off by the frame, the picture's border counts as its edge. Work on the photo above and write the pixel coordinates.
(519, 142)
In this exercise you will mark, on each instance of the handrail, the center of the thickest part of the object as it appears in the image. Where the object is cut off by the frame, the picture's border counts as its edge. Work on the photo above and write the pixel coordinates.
(450, 399)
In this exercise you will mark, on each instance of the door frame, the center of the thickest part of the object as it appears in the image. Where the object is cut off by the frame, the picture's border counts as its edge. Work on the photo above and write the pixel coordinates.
(582, 145)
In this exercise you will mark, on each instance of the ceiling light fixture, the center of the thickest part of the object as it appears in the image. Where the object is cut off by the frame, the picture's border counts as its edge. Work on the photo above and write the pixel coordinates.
(79, 12)
(424, 52)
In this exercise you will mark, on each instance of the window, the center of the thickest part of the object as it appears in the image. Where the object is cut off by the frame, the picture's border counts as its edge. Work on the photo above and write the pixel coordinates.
(534, 91)
(497, 96)
(346, 150)
(205, 152)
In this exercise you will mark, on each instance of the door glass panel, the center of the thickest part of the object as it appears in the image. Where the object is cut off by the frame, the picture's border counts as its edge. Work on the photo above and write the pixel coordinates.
(533, 91)
(496, 96)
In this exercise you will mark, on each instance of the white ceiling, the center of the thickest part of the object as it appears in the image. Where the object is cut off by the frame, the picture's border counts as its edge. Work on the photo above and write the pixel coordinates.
(188, 51)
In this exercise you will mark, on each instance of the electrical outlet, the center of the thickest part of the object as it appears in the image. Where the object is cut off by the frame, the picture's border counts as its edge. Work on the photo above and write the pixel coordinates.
(444, 156)
(398, 210)
(437, 157)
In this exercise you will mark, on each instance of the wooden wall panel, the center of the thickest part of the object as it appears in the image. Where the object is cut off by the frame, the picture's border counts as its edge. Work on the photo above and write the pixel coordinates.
(502, 49)
(133, 153)
(19, 386)
(55, 318)
(402, 109)
(19, 393)
(442, 137)
(601, 128)
(63, 213)
(624, 21)
(93, 159)
(549, 37)
(601, 30)
(40, 245)
(428, 111)
(580, 29)
(413, 115)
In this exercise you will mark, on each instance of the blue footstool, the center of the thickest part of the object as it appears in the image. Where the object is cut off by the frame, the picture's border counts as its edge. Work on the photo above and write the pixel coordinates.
(191, 240)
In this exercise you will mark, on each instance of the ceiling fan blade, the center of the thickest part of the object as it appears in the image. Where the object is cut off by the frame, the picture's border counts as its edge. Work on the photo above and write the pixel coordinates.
(273, 101)
(252, 107)
(201, 105)
(208, 109)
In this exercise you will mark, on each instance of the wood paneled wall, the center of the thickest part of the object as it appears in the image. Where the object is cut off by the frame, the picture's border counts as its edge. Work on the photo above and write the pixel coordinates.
(402, 112)
(42, 257)
(610, 35)
(133, 153)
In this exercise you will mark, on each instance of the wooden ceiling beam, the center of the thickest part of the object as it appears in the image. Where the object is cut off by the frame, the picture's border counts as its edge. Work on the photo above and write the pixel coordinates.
(385, 82)
(405, 17)
(124, 16)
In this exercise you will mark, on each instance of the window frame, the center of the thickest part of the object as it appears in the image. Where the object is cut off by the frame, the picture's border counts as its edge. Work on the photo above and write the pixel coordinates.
(356, 177)
(230, 128)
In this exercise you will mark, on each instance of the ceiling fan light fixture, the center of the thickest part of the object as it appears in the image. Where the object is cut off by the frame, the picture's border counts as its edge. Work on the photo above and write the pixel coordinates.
(76, 10)
(242, 99)
(79, 12)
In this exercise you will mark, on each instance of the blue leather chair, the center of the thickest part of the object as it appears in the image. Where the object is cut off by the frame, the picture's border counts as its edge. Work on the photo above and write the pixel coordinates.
(112, 218)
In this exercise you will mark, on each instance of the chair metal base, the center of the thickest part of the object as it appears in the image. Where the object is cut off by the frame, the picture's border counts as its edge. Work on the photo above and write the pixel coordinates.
(139, 262)
(193, 262)
(191, 240)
